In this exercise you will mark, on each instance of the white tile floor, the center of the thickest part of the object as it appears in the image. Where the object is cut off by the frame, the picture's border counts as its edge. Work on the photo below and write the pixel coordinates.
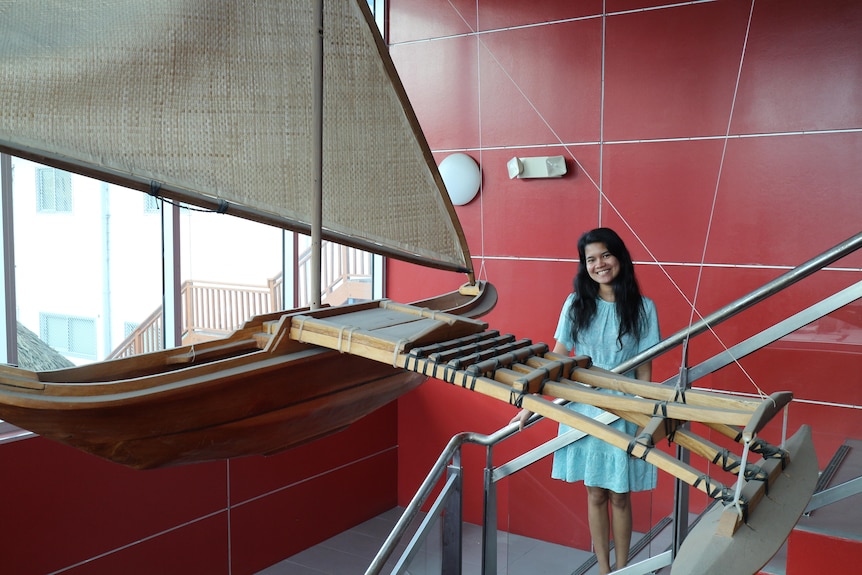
(351, 552)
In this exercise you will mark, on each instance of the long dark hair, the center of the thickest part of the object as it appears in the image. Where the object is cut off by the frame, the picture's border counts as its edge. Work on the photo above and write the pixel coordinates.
(627, 294)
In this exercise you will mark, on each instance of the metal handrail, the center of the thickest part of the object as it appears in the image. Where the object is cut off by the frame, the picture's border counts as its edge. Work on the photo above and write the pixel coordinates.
(785, 280)
(835, 494)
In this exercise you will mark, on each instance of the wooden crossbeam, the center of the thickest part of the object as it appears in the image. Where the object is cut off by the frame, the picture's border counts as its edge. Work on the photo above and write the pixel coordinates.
(547, 408)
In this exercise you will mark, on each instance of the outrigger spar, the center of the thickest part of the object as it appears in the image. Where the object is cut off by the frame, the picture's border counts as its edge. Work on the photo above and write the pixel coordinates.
(750, 520)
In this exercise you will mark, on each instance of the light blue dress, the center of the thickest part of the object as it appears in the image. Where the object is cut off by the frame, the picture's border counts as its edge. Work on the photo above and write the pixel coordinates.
(591, 460)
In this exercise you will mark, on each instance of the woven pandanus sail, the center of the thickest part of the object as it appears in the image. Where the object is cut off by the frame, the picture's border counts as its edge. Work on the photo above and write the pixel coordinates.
(211, 103)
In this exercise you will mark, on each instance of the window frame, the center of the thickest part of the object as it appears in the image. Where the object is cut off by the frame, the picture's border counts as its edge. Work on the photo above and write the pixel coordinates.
(53, 200)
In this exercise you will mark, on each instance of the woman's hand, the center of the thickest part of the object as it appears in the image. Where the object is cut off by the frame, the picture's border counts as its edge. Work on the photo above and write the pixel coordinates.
(521, 418)
(525, 414)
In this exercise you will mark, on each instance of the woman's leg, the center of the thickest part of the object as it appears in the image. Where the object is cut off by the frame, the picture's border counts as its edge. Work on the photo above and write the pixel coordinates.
(600, 529)
(621, 517)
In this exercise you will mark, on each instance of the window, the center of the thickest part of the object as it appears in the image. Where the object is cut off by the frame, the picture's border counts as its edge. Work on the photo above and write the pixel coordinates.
(151, 204)
(129, 328)
(69, 334)
(53, 190)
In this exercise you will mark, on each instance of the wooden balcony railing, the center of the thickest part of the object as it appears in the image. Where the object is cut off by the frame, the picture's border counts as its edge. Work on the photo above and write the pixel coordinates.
(146, 337)
(339, 265)
(212, 309)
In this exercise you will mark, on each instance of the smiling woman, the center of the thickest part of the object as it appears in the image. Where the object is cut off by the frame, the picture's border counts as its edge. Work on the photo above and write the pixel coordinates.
(607, 319)
(603, 267)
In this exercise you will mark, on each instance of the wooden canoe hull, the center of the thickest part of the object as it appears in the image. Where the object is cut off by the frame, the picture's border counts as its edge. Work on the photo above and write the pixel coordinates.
(258, 408)
(254, 392)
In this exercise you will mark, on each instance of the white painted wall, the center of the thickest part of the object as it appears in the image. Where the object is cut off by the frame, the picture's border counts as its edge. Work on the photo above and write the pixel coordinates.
(103, 260)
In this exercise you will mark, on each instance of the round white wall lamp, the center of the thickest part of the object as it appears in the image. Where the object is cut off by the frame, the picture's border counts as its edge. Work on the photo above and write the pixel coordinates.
(461, 175)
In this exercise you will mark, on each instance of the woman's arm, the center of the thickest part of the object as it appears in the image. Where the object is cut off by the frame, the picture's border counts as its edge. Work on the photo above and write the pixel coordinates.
(644, 372)
(650, 337)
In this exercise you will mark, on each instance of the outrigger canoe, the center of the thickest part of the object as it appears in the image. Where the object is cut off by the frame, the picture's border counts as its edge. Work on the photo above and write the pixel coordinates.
(287, 379)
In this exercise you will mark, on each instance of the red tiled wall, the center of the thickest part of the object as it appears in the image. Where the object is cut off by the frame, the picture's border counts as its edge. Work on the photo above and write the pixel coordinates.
(66, 510)
(726, 133)
(809, 552)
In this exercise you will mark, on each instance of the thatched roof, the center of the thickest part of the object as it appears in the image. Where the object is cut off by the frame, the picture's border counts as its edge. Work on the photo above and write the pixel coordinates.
(36, 355)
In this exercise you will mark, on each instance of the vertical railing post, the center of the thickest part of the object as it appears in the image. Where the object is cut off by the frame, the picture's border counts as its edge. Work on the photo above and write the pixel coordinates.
(274, 300)
(680, 489)
(188, 307)
(452, 520)
(489, 521)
